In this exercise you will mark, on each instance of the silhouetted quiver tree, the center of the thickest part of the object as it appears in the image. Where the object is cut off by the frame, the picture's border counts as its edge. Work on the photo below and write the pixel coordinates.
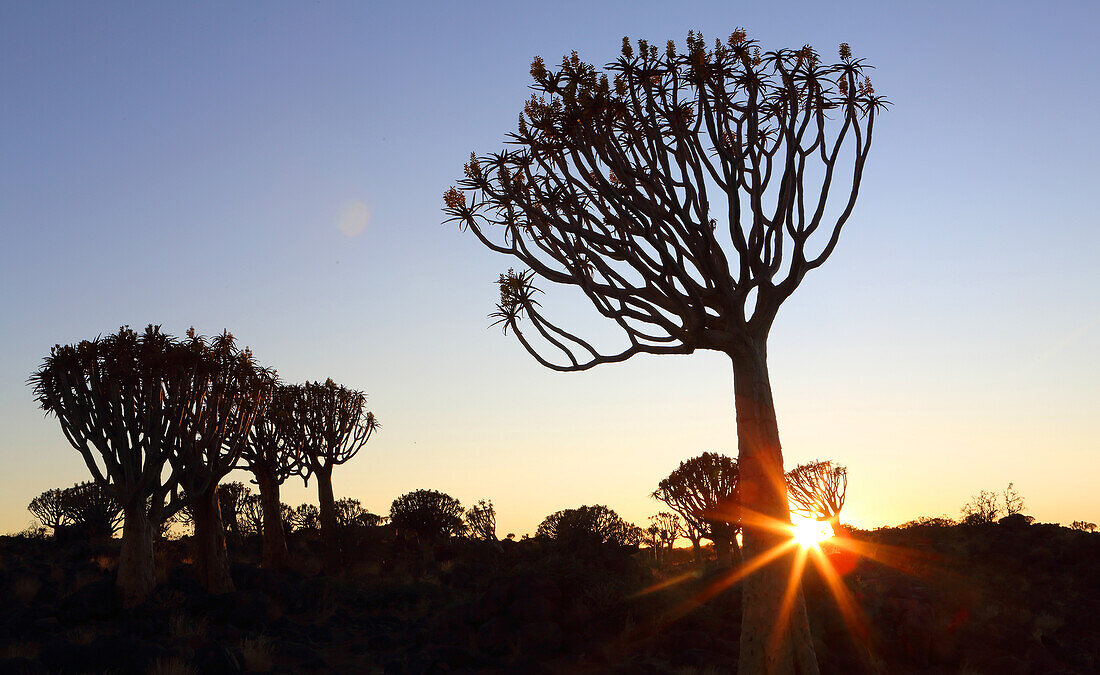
(681, 192)
(481, 521)
(586, 526)
(49, 509)
(704, 490)
(817, 490)
(327, 425)
(427, 516)
(231, 501)
(111, 396)
(305, 517)
(91, 511)
(668, 528)
(271, 461)
(252, 517)
(215, 394)
(350, 513)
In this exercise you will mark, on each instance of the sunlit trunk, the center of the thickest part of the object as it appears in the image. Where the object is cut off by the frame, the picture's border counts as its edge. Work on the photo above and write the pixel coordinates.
(211, 558)
(274, 536)
(838, 529)
(326, 503)
(136, 567)
(774, 639)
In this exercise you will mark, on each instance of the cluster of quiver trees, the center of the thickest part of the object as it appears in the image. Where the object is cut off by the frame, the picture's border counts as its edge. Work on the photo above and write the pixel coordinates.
(704, 492)
(160, 421)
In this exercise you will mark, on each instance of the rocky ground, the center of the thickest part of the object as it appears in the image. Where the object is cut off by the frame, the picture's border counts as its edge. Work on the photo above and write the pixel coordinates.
(992, 599)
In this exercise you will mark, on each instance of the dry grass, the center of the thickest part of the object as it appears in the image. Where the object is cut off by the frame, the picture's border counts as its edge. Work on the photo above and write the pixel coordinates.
(256, 655)
(184, 626)
(21, 650)
(170, 665)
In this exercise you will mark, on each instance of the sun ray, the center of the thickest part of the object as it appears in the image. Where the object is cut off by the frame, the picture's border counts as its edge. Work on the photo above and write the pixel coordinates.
(794, 584)
(727, 580)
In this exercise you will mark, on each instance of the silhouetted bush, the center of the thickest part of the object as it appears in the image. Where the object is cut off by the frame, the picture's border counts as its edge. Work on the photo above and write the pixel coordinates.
(427, 514)
(586, 526)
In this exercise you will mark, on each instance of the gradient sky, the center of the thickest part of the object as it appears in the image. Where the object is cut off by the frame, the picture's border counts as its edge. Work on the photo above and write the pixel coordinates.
(213, 165)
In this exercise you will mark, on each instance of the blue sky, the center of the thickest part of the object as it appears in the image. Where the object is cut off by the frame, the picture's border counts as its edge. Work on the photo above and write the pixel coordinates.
(189, 165)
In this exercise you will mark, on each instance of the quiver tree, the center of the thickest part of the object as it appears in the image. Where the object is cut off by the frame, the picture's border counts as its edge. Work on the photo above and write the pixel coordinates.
(686, 193)
(231, 502)
(817, 490)
(669, 528)
(305, 517)
(704, 490)
(481, 521)
(271, 461)
(427, 516)
(49, 509)
(215, 394)
(252, 517)
(587, 526)
(350, 513)
(111, 396)
(91, 511)
(327, 424)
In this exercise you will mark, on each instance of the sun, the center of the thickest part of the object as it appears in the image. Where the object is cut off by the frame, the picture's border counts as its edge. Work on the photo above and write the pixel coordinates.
(809, 533)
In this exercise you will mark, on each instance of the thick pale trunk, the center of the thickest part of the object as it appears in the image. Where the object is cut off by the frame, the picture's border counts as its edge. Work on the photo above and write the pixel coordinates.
(211, 558)
(774, 639)
(136, 568)
(275, 554)
(838, 529)
(326, 503)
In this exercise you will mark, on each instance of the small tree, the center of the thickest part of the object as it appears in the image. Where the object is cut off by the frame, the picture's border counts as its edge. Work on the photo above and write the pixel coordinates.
(327, 424)
(350, 513)
(49, 509)
(1014, 503)
(588, 525)
(817, 490)
(427, 515)
(982, 509)
(669, 528)
(231, 501)
(481, 521)
(1083, 526)
(704, 491)
(91, 511)
(305, 517)
(252, 516)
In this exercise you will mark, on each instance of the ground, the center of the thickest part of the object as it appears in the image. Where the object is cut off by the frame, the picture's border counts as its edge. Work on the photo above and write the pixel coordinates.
(986, 599)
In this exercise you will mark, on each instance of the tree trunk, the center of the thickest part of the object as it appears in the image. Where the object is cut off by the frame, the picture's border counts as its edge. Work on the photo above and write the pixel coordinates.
(326, 503)
(696, 551)
(838, 529)
(137, 573)
(722, 552)
(275, 554)
(770, 643)
(211, 558)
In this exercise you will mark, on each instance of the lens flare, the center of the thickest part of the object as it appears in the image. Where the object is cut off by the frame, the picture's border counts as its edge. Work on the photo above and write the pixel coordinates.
(810, 533)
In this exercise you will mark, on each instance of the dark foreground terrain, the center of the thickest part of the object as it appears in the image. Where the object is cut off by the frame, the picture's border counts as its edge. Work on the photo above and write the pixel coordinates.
(990, 599)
